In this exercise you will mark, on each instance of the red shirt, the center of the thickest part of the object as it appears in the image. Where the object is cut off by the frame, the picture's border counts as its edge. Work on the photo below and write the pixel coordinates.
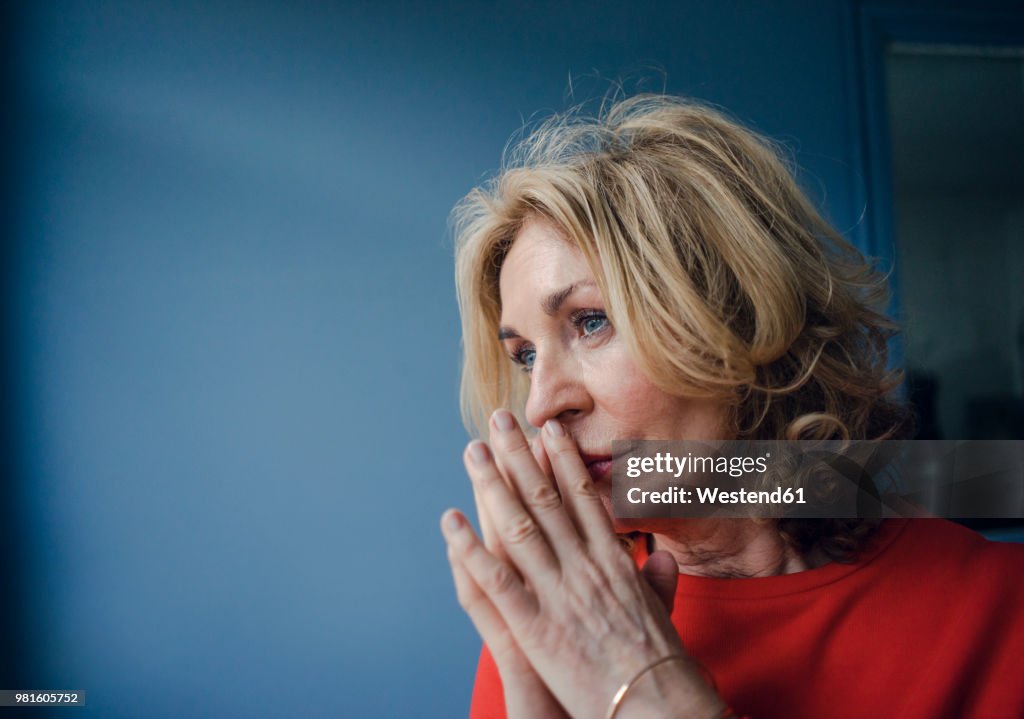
(929, 622)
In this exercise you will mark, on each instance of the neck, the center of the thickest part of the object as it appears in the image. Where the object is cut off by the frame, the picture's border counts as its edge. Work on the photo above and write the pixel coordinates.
(730, 548)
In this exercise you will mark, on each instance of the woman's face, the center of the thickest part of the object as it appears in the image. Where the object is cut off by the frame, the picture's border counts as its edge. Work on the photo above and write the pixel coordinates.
(554, 326)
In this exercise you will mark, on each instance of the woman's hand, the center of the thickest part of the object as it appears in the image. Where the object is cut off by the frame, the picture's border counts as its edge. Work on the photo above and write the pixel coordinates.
(525, 693)
(562, 591)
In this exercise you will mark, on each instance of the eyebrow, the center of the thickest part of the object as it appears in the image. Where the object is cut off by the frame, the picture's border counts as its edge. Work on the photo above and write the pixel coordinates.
(551, 304)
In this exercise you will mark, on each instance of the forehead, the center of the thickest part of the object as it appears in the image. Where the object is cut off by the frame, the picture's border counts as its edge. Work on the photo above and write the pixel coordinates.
(540, 260)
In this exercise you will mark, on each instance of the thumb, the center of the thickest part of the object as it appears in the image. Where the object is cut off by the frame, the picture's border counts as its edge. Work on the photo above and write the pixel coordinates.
(662, 573)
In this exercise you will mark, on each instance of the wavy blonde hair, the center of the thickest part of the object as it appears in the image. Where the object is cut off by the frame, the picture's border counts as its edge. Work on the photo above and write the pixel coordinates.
(719, 274)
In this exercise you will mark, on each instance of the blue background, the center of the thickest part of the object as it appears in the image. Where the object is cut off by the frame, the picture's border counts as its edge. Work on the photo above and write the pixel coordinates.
(234, 339)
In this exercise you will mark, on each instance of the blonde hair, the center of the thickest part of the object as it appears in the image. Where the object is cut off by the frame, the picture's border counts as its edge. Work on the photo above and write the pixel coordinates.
(718, 273)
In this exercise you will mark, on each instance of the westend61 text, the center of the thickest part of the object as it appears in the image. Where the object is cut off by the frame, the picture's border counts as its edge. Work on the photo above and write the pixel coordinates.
(975, 479)
(713, 495)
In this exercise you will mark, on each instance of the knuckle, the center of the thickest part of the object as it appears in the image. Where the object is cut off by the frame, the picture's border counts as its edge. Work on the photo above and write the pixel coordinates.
(488, 480)
(565, 454)
(520, 529)
(499, 579)
(516, 446)
(468, 600)
(544, 497)
(584, 487)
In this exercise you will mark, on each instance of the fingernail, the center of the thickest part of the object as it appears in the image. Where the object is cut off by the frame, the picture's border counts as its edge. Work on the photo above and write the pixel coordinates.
(504, 420)
(452, 521)
(478, 452)
(554, 428)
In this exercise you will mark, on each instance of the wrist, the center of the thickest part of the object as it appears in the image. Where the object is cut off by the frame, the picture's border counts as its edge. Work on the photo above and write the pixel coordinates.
(676, 689)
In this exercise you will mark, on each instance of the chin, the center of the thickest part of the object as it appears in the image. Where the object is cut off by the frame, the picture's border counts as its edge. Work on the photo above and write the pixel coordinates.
(626, 526)
(648, 525)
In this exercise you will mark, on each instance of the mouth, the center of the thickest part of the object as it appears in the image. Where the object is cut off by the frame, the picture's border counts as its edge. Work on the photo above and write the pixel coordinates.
(599, 465)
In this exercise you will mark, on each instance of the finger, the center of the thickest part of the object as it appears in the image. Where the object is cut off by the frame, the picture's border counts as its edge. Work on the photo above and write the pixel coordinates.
(577, 486)
(505, 652)
(497, 582)
(488, 531)
(662, 573)
(541, 457)
(517, 530)
(538, 492)
(481, 610)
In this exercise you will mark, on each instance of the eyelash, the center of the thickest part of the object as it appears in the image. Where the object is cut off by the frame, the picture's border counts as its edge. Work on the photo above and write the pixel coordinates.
(577, 319)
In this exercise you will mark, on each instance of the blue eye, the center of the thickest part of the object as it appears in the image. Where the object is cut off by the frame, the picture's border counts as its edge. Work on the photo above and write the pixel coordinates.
(590, 322)
(525, 357)
(593, 323)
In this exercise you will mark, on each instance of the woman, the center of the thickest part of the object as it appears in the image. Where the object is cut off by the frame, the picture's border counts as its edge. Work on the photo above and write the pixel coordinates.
(656, 273)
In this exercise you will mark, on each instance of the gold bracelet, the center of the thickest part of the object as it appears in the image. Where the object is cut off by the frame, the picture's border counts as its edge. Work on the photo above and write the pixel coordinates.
(613, 708)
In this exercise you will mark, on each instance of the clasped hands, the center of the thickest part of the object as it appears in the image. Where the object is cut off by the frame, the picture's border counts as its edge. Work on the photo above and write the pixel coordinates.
(563, 609)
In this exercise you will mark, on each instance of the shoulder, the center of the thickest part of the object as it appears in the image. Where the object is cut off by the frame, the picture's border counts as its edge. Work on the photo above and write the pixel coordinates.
(937, 550)
(954, 538)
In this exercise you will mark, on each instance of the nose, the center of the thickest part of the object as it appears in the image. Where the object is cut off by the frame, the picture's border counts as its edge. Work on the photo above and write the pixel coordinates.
(557, 390)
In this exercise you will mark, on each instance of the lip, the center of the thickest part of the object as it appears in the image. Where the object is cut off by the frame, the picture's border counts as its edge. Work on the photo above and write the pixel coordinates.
(599, 465)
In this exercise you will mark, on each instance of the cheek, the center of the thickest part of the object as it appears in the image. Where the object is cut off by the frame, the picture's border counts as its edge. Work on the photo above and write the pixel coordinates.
(639, 408)
(625, 393)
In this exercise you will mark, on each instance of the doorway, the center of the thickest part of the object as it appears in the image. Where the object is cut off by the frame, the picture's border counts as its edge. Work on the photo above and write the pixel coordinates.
(956, 134)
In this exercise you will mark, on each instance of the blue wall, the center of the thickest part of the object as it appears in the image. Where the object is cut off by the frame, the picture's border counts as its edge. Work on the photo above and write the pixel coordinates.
(235, 339)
